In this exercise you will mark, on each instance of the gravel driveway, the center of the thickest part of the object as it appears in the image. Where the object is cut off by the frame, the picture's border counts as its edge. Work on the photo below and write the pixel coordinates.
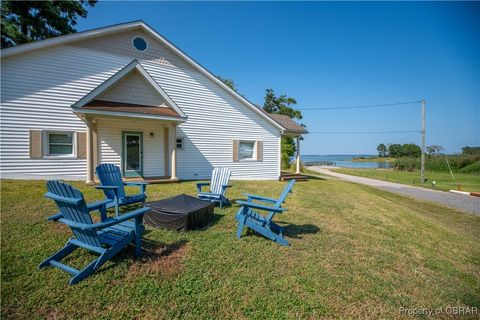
(456, 201)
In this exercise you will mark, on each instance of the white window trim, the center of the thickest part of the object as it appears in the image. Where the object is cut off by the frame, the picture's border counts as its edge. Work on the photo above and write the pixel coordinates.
(254, 154)
(46, 143)
(181, 143)
(146, 42)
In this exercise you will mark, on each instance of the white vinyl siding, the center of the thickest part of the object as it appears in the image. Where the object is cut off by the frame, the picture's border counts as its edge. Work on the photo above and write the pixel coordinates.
(38, 89)
(110, 143)
(134, 89)
(215, 118)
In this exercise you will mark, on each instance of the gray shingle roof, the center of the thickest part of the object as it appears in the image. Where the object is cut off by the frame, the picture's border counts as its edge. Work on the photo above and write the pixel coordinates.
(288, 124)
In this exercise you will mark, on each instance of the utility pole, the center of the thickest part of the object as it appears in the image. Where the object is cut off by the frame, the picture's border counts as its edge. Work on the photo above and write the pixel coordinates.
(422, 165)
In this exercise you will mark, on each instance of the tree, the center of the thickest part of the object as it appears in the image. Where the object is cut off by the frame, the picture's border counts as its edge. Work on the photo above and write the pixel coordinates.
(27, 21)
(282, 105)
(411, 150)
(395, 150)
(471, 150)
(382, 150)
(434, 149)
(229, 82)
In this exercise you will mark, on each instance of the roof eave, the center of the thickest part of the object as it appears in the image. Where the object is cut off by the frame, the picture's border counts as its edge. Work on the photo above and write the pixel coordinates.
(128, 115)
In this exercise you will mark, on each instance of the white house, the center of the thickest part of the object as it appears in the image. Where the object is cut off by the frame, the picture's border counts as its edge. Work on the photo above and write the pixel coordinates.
(124, 94)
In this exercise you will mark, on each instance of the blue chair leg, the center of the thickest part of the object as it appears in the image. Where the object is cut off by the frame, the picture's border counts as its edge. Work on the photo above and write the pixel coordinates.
(65, 251)
(241, 217)
(138, 236)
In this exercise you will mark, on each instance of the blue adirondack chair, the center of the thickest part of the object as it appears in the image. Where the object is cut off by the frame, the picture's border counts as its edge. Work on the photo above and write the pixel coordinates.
(248, 216)
(113, 186)
(218, 187)
(105, 238)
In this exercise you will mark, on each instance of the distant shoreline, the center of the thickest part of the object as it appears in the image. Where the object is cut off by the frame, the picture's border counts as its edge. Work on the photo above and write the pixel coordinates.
(373, 159)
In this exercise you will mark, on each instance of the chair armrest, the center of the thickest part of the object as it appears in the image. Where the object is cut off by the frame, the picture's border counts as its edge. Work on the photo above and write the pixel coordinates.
(113, 188)
(202, 184)
(106, 223)
(134, 183)
(98, 204)
(255, 197)
(108, 187)
(55, 217)
(63, 199)
(260, 206)
(209, 194)
(141, 184)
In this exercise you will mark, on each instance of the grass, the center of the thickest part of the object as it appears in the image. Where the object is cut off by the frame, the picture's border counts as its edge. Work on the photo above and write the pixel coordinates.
(356, 252)
(443, 180)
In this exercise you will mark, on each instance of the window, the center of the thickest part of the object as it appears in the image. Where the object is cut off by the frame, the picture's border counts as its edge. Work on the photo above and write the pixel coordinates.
(60, 143)
(180, 143)
(140, 44)
(246, 150)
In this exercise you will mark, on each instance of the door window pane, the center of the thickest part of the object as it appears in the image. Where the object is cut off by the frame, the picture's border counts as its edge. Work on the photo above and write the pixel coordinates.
(246, 149)
(133, 152)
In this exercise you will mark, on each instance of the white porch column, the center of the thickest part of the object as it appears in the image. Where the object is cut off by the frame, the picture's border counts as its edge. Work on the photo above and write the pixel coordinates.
(172, 144)
(90, 154)
(298, 155)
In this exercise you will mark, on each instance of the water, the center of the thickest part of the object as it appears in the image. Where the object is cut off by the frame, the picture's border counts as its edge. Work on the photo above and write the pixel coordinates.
(345, 161)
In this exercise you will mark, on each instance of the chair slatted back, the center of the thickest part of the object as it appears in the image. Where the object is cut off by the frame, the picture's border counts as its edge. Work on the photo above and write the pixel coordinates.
(220, 177)
(110, 175)
(280, 200)
(74, 212)
(284, 194)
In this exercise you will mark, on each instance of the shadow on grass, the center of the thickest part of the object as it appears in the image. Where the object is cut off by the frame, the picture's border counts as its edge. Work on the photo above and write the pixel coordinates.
(150, 249)
(296, 230)
(290, 230)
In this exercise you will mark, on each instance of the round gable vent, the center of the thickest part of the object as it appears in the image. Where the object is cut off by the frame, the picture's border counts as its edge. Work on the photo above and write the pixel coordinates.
(140, 43)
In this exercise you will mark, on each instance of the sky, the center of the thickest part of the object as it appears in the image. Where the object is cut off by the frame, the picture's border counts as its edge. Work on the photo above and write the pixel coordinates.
(330, 54)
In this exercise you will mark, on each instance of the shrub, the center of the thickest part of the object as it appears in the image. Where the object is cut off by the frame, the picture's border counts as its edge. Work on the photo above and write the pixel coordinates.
(285, 161)
(438, 163)
(471, 168)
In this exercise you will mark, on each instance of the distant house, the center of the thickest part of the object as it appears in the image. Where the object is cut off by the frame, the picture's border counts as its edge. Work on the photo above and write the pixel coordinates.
(123, 94)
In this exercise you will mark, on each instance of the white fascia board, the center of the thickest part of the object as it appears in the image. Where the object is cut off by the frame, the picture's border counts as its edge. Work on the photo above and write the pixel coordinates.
(127, 114)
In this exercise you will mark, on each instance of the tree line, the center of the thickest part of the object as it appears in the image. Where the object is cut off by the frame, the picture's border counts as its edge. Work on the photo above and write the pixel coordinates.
(396, 150)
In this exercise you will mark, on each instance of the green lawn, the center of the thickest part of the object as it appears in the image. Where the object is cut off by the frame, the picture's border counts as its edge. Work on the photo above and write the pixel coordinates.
(444, 181)
(356, 252)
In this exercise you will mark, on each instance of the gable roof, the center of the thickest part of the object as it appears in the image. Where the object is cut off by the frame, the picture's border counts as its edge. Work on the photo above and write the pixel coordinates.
(135, 25)
(291, 127)
(134, 65)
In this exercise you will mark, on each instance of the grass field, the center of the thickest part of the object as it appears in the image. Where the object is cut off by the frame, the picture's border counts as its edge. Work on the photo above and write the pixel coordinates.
(356, 252)
(444, 181)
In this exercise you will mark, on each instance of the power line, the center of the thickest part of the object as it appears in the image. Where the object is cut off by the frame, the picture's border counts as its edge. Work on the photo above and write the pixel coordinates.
(362, 107)
(365, 132)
